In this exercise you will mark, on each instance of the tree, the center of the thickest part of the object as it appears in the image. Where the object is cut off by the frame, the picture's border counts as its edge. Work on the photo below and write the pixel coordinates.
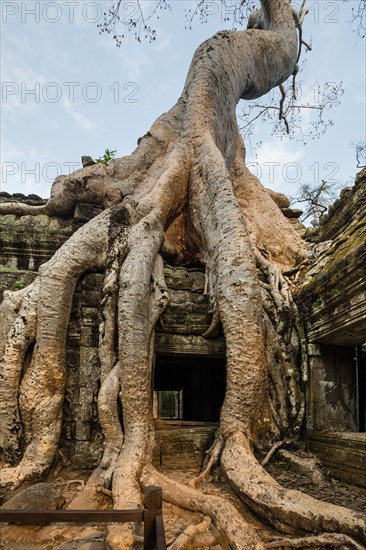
(316, 199)
(184, 193)
(360, 152)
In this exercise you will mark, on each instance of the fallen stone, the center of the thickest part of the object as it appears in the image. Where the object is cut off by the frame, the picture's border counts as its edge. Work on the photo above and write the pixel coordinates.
(279, 198)
(42, 496)
(291, 212)
(86, 160)
(83, 546)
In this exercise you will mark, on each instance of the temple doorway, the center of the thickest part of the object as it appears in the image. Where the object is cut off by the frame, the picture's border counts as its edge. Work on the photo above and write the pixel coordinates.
(189, 388)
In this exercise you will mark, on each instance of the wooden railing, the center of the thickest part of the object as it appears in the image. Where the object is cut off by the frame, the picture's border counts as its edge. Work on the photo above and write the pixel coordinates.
(151, 516)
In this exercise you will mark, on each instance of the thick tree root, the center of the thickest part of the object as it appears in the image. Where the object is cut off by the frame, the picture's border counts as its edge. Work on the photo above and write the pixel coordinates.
(41, 411)
(327, 539)
(135, 370)
(223, 514)
(19, 326)
(213, 457)
(308, 466)
(287, 510)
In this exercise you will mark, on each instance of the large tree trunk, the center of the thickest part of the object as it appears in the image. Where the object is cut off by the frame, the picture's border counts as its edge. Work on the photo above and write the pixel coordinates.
(185, 192)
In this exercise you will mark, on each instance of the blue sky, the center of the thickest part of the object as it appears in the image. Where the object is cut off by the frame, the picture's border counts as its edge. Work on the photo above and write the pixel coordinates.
(68, 91)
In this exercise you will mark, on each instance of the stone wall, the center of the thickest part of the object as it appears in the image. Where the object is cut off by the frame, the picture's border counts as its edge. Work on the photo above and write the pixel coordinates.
(81, 436)
(332, 303)
(332, 300)
(332, 402)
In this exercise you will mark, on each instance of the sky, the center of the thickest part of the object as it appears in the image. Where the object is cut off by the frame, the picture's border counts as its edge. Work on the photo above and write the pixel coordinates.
(68, 91)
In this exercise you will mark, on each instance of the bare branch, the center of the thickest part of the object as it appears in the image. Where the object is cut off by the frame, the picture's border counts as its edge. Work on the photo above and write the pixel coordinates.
(358, 20)
(316, 199)
(271, 452)
(360, 152)
(139, 21)
(286, 118)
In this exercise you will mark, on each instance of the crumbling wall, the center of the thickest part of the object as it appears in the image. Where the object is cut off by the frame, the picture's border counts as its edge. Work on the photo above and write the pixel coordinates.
(332, 299)
(332, 304)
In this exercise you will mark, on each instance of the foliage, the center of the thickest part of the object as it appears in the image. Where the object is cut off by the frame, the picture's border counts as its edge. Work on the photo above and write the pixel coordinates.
(107, 157)
(18, 285)
(136, 21)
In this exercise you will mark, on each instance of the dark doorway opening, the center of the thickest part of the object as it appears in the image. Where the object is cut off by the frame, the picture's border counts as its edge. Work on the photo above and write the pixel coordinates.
(361, 386)
(189, 388)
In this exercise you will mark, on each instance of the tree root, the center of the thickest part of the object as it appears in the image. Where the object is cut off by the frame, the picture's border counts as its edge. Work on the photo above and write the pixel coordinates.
(223, 514)
(19, 322)
(135, 326)
(189, 533)
(287, 510)
(308, 466)
(213, 456)
(331, 539)
(41, 411)
(271, 452)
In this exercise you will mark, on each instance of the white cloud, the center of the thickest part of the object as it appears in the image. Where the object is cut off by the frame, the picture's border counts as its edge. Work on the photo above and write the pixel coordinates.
(82, 121)
(21, 84)
(277, 165)
(79, 118)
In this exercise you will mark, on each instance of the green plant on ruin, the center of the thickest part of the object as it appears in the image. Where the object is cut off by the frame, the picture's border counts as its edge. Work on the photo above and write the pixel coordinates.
(18, 285)
(107, 157)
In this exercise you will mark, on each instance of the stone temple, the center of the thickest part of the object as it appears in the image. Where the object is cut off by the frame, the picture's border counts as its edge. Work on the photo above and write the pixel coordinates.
(189, 381)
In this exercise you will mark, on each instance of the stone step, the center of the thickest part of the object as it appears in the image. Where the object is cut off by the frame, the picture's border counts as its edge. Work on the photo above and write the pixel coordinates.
(183, 444)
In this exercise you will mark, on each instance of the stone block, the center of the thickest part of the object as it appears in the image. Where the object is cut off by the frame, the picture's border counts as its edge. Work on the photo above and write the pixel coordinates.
(85, 211)
(42, 496)
(73, 359)
(91, 298)
(89, 316)
(83, 431)
(68, 430)
(89, 362)
(343, 453)
(92, 281)
(89, 336)
(85, 410)
(180, 278)
(87, 455)
(314, 350)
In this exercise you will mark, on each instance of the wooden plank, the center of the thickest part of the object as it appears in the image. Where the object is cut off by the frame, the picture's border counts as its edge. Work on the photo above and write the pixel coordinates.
(152, 505)
(151, 516)
(40, 517)
(160, 533)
